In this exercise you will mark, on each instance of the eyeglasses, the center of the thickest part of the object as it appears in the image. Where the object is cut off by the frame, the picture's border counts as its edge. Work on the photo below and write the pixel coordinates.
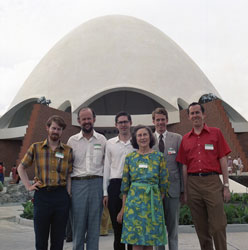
(123, 122)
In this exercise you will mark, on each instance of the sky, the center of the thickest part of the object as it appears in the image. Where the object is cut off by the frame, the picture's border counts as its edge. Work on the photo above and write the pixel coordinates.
(213, 33)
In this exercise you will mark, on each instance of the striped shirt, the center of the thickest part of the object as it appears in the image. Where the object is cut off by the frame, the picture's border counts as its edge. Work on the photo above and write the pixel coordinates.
(51, 167)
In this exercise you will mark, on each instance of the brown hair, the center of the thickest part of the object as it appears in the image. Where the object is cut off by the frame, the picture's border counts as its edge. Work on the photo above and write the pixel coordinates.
(160, 111)
(134, 140)
(58, 120)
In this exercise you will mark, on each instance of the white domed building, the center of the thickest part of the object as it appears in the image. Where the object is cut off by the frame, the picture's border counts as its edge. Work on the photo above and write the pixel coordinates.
(113, 63)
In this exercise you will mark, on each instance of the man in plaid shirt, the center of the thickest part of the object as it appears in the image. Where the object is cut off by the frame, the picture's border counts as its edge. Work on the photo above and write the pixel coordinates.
(52, 161)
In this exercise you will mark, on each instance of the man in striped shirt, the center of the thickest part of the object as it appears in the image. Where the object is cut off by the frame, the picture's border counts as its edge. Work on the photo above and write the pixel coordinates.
(52, 161)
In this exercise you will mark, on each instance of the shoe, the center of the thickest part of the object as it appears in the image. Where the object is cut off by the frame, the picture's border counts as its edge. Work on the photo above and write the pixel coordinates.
(68, 239)
(103, 234)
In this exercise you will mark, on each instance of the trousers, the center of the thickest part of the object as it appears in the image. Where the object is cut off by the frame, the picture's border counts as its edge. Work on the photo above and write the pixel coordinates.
(51, 210)
(87, 196)
(114, 206)
(205, 200)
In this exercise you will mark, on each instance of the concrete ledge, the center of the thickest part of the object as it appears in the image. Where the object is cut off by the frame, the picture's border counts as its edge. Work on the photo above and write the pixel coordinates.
(231, 228)
(23, 221)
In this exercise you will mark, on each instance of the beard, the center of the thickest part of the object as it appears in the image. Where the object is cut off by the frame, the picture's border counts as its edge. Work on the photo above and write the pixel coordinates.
(54, 137)
(87, 130)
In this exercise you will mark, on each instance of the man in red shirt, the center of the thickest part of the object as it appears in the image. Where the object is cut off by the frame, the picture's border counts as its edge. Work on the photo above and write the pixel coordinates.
(203, 154)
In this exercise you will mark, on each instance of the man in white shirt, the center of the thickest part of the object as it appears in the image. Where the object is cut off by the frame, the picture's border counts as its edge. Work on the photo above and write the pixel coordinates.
(116, 150)
(87, 181)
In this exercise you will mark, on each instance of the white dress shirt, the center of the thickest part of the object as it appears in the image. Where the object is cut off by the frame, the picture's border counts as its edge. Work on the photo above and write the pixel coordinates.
(164, 135)
(116, 151)
(88, 155)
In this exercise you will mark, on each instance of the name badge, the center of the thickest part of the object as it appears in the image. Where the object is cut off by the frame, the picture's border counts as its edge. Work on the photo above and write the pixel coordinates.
(171, 151)
(209, 147)
(97, 146)
(143, 165)
(59, 155)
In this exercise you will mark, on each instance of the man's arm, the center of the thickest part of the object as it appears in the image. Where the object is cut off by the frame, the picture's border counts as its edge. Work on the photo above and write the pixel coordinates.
(68, 184)
(180, 165)
(106, 173)
(24, 177)
(185, 177)
(224, 169)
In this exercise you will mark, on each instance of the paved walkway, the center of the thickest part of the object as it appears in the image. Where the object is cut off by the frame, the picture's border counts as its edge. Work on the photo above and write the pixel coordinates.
(20, 236)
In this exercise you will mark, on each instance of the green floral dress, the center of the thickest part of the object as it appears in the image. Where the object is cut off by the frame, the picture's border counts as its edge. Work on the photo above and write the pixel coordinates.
(145, 177)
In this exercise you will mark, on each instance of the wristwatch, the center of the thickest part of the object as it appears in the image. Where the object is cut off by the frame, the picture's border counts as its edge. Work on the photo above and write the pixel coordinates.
(226, 185)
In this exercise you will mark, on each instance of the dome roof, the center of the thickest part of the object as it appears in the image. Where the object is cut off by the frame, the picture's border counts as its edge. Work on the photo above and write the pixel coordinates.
(113, 53)
(113, 63)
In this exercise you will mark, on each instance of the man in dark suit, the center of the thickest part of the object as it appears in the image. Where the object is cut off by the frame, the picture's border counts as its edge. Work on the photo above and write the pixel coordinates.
(168, 143)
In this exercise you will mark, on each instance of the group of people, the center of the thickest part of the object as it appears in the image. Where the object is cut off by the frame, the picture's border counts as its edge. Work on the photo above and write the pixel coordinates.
(237, 165)
(141, 177)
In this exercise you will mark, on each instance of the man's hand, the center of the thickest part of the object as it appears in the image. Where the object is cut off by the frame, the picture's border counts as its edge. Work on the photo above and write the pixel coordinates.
(226, 194)
(183, 198)
(34, 186)
(105, 201)
(120, 216)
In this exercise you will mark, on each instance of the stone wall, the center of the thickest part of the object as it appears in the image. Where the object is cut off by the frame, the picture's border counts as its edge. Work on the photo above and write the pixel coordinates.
(14, 193)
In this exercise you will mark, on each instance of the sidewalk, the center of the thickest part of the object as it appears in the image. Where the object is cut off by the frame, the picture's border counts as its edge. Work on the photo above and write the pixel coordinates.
(19, 234)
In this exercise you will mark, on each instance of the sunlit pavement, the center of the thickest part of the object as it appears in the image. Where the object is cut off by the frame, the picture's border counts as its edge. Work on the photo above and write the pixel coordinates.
(19, 235)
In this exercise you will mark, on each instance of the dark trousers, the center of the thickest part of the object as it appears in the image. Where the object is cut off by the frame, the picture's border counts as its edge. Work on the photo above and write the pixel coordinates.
(50, 216)
(114, 206)
(69, 227)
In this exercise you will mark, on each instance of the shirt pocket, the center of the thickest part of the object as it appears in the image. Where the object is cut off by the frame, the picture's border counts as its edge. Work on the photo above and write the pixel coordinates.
(97, 156)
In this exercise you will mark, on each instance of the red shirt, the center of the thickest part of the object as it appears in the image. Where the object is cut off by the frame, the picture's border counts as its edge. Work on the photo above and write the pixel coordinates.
(1, 169)
(201, 153)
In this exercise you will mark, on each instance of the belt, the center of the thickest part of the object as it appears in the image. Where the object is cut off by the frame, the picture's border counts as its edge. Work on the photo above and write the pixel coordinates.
(51, 188)
(88, 177)
(149, 189)
(114, 180)
(203, 174)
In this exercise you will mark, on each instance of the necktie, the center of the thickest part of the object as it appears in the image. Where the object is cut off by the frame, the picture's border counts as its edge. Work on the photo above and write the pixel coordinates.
(161, 144)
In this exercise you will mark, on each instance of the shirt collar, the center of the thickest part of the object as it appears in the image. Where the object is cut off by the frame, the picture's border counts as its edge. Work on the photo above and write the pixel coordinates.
(45, 144)
(205, 128)
(117, 139)
(80, 135)
(164, 134)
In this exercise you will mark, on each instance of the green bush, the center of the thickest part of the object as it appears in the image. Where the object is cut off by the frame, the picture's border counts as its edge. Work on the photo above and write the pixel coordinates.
(185, 217)
(28, 211)
(236, 211)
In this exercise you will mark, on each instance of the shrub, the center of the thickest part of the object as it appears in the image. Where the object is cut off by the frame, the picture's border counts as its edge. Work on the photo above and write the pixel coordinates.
(236, 211)
(28, 211)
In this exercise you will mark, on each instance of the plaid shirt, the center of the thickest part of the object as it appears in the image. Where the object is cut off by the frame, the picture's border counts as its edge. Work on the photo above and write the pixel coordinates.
(51, 167)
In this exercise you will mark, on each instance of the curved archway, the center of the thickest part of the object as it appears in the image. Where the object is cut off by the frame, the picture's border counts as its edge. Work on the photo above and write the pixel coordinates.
(65, 106)
(134, 101)
(18, 115)
(182, 104)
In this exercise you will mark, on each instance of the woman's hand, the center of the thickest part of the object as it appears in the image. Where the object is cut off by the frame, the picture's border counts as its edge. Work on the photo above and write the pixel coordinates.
(120, 216)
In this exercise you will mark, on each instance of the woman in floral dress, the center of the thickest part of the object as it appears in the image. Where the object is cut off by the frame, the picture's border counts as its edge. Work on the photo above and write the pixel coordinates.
(144, 184)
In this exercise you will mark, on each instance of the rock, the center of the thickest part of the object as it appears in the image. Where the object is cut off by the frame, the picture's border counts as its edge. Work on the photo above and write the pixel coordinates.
(14, 193)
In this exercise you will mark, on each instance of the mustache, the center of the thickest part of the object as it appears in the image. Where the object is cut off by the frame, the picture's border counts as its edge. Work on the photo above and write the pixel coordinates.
(55, 134)
(87, 124)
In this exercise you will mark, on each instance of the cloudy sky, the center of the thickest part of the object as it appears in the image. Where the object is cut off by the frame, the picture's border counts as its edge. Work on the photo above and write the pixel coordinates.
(213, 33)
